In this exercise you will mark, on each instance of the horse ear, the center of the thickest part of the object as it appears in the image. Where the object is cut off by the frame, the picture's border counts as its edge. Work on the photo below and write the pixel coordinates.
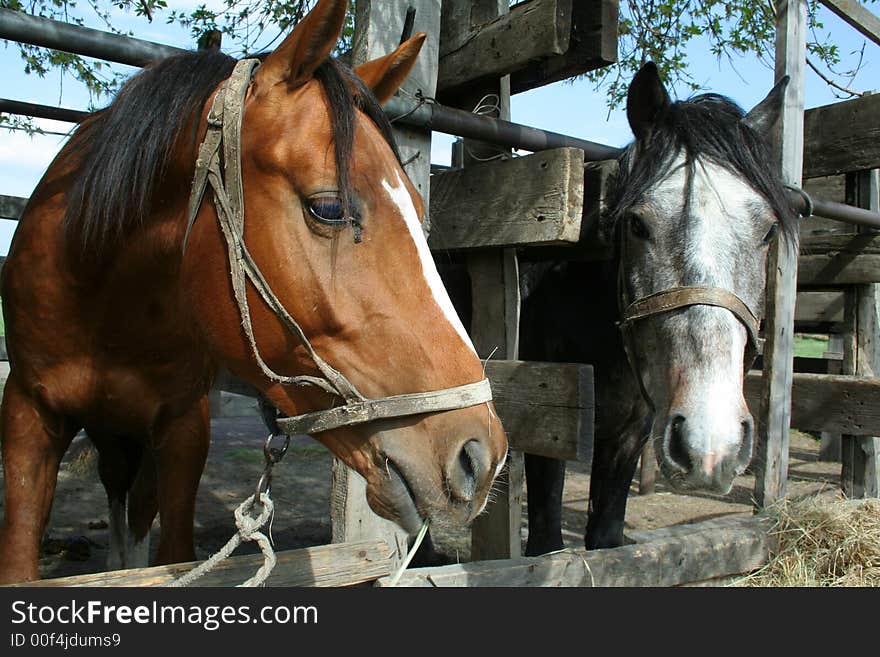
(645, 100)
(385, 75)
(764, 115)
(306, 48)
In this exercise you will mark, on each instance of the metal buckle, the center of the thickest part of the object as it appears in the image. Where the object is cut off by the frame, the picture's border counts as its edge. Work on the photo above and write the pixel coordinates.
(273, 454)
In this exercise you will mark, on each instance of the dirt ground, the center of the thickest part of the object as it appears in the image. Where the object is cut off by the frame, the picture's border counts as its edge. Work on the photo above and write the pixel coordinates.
(77, 538)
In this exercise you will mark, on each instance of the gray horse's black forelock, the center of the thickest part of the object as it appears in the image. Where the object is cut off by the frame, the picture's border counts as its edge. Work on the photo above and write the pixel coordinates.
(124, 150)
(707, 127)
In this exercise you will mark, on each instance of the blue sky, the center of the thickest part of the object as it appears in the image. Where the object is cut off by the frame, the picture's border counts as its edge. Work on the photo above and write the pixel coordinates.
(572, 108)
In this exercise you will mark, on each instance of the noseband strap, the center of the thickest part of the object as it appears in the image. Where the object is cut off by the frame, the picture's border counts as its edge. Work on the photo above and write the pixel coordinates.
(369, 410)
(224, 130)
(695, 295)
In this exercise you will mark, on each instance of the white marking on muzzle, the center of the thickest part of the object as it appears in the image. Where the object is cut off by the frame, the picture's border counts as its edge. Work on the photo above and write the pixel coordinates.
(401, 198)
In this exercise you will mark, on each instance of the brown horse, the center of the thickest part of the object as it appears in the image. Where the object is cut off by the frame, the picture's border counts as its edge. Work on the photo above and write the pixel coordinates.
(113, 326)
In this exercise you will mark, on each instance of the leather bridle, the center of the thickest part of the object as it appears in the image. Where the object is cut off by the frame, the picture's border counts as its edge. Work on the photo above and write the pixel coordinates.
(224, 128)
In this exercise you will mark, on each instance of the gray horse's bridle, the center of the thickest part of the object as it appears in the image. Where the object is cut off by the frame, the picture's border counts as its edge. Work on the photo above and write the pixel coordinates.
(224, 127)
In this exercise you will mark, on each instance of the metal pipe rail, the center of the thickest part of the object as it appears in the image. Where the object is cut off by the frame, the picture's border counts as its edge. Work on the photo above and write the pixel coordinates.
(45, 32)
(457, 122)
(41, 111)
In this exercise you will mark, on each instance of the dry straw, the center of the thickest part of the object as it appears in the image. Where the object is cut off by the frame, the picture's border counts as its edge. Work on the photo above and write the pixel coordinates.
(823, 543)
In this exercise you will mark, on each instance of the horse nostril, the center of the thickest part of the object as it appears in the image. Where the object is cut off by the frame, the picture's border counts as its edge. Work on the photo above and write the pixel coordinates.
(470, 467)
(676, 444)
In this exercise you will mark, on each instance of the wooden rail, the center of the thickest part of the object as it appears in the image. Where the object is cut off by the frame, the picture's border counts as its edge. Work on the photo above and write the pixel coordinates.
(665, 557)
(340, 564)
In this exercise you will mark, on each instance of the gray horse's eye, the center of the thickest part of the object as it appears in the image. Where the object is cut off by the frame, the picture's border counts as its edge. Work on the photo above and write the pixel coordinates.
(771, 234)
(327, 209)
(638, 227)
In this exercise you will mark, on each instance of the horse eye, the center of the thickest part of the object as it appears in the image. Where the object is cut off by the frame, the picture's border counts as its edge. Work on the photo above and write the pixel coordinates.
(327, 209)
(771, 233)
(638, 227)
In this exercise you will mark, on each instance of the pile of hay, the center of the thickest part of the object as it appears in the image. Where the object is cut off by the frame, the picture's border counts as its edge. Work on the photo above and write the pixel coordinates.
(823, 542)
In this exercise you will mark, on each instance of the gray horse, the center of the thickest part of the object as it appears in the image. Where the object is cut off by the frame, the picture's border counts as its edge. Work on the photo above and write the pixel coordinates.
(670, 322)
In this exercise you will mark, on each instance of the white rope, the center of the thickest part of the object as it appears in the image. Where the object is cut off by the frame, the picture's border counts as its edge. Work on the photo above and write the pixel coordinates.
(248, 527)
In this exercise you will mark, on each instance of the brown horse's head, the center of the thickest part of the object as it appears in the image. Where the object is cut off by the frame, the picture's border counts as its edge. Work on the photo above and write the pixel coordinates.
(314, 152)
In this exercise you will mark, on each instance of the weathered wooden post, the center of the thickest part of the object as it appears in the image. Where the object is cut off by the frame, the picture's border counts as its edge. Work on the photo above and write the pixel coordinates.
(494, 282)
(379, 26)
(860, 472)
(775, 416)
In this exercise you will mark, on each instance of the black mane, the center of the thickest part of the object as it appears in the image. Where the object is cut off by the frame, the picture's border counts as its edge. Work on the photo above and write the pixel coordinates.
(124, 150)
(709, 126)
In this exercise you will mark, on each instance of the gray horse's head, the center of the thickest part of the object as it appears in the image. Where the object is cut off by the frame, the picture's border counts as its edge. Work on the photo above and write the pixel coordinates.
(698, 204)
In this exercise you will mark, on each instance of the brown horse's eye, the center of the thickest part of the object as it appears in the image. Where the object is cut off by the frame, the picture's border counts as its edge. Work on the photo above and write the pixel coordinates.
(327, 209)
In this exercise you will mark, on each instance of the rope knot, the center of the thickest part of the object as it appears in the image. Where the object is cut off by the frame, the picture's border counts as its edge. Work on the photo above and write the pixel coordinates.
(246, 523)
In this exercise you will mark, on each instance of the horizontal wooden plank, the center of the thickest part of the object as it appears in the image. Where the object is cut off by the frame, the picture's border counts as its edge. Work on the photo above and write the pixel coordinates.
(538, 42)
(531, 200)
(339, 564)
(818, 308)
(838, 269)
(532, 30)
(593, 44)
(842, 137)
(11, 207)
(832, 244)
(828, 402)
(839, 259)
(546, 408)
(670, 557)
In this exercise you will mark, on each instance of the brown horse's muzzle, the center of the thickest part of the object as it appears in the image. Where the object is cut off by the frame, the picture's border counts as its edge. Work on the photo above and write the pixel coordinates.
(441, 468)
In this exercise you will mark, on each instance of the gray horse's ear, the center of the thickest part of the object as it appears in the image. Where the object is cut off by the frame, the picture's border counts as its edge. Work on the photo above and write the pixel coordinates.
(646, 100)
(764, 115)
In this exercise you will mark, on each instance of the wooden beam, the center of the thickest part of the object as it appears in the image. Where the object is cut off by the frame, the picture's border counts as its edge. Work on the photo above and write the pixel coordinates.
(11, 207)
(839, 260)
(342, 564)
(822, 308)
(858, 16)
(546, 408)
(842, 137)
(667, 557)
(593, 44)
(532, 30)
(838, 269)
(860, 455)
(522, 201)
(494, 278)
(771, 454)
(538, 42)
(828, 402)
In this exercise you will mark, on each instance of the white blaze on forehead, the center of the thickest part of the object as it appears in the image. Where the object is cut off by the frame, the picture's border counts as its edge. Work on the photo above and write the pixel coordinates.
(721, 211)
(401, 198)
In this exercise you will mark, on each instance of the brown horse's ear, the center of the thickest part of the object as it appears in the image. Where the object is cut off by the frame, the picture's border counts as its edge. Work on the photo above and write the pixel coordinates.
(306, 48)
(385, 75)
